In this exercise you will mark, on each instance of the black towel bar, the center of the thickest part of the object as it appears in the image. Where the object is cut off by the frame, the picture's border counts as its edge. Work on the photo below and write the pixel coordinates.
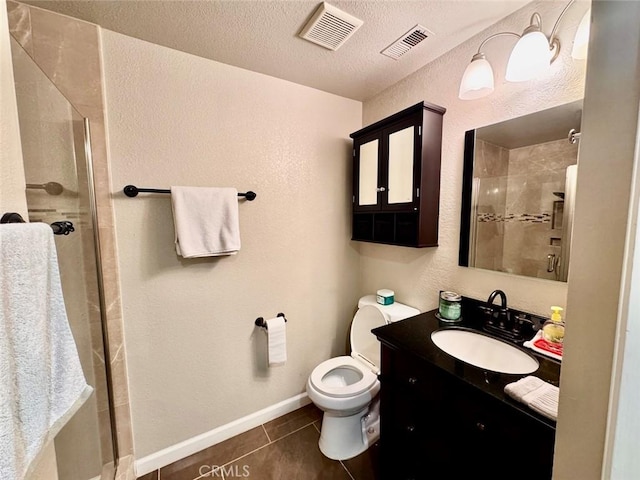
(132, 191)
(261, 322)
(63, 227)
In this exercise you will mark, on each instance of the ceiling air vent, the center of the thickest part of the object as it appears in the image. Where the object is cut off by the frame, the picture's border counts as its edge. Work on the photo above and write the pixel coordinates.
(330, 27)
(406, 42)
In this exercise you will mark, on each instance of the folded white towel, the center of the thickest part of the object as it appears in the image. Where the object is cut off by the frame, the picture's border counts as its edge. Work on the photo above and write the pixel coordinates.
(41, 380)
(537, 394)
(206, 221)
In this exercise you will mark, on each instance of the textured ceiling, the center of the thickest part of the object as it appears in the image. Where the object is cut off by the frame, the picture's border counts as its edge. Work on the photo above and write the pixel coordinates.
(261, 35)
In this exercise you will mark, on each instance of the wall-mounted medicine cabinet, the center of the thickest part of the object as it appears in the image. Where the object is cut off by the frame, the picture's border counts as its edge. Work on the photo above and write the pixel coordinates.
(396, 178)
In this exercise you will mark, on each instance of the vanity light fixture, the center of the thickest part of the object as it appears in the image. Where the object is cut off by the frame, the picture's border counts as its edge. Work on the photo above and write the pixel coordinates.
(531, 57)
(581, 41)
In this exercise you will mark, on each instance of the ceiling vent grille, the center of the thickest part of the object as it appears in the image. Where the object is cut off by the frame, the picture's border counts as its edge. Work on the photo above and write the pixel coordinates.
(330, 27)
(406, 42)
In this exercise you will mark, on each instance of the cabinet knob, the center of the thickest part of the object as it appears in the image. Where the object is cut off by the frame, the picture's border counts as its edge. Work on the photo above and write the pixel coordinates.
(381, 189)
(411, 428)
(480, 426)
(413, 380)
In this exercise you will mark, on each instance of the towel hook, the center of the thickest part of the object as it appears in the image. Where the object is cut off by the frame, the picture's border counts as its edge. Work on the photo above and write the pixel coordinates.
(261, 322)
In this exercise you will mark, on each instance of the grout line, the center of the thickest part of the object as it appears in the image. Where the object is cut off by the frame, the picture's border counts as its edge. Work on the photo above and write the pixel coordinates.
(347, 470)
(265, 432)
(270, 442)
(264, 446)
(316, 427)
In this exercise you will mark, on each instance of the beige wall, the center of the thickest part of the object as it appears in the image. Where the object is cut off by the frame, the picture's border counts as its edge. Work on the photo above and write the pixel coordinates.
(418, 275)
(12, 197)
(605, 171)
(195, 359)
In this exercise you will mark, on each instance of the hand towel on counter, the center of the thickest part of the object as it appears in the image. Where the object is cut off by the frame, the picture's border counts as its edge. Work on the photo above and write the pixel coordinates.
(41, 380)
(537, 394)
(206, 221)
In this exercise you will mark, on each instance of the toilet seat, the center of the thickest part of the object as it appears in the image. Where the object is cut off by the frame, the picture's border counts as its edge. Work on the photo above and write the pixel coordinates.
(365, 383)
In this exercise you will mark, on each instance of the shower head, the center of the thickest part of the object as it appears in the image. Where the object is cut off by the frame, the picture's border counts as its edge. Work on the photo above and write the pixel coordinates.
(52, 188)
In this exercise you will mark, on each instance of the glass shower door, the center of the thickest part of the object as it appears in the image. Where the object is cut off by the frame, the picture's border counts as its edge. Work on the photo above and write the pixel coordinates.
(58, 188)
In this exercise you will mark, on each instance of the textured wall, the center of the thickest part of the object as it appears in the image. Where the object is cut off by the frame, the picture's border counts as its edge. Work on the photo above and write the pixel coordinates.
(195, 359)
(605, 170)
(417, 275)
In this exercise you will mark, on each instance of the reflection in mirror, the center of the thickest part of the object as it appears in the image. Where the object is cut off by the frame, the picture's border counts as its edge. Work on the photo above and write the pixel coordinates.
(368, 186)
(518, 194)
(401, 166)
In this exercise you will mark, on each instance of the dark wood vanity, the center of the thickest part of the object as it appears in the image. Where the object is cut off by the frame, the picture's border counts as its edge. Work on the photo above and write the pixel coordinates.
(444, 419)
(396, 178)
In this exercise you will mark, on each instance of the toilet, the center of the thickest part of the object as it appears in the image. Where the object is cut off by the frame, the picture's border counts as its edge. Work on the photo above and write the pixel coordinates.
(346, 388)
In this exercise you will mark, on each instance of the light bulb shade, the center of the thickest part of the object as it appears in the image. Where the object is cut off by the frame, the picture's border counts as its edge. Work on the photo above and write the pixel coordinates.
(477, 81)
(530, 58)
(581, 40)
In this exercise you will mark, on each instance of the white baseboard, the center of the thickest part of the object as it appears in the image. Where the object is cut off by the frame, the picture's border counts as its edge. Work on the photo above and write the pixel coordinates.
(193, 445)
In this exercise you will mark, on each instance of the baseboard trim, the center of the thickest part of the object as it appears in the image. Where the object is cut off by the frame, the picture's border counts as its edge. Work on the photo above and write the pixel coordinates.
(193, 445)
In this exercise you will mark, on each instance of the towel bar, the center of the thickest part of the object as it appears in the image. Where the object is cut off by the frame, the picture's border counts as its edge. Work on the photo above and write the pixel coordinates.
(132, 191)
(260, 321)
(63, 227)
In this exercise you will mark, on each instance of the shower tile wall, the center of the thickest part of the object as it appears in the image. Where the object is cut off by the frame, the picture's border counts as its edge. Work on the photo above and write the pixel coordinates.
(491, 168)
(535, 172)
(515, 214)
(67, 50)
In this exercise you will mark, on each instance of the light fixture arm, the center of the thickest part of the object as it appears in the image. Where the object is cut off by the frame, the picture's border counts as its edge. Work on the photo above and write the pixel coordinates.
(552, 37)
(490, 37)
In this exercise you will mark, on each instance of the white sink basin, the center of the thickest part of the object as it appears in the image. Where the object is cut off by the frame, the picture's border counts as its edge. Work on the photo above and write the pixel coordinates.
(484, 351)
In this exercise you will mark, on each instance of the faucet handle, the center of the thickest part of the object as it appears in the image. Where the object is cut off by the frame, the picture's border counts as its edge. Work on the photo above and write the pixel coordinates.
(487, 312)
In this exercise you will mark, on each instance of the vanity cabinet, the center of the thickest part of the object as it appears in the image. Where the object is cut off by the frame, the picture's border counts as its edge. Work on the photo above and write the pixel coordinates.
(434, 425)
(396, 178)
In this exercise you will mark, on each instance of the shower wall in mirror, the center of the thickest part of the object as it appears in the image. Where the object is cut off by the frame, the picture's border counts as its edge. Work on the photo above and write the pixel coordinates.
(517, 198)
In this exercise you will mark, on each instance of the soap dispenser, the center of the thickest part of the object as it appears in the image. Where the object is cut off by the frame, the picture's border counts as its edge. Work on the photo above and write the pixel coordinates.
(553, 329)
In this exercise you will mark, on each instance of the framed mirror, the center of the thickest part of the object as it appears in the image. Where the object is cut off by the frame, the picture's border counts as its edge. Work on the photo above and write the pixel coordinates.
(518, 193)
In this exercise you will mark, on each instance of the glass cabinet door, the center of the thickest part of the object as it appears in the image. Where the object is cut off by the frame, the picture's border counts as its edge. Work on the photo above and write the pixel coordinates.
(400, 166)
(368, 174)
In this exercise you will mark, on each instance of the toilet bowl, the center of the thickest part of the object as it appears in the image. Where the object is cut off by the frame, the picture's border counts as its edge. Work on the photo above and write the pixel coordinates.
(346, 388)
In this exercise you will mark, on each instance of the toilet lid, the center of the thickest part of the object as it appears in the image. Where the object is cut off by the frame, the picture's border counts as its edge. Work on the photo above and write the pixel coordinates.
(364, 344)
(318, 374)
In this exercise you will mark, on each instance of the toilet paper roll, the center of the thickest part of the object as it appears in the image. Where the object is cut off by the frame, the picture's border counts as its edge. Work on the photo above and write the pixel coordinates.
(277, 339)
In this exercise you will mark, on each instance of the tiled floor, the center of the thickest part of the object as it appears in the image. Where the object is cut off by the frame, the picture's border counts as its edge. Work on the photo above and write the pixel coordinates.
(284, 448)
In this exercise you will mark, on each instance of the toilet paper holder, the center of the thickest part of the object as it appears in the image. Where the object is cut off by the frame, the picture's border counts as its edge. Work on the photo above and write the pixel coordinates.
(260, 321)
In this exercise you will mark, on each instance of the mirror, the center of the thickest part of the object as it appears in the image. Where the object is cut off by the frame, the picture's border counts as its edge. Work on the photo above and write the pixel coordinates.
(518, 193)
(368, 178)
(401, 166)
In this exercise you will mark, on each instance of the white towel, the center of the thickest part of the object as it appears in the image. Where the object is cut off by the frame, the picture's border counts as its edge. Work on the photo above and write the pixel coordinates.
(41, 380)
(206, 221)
(537, 394)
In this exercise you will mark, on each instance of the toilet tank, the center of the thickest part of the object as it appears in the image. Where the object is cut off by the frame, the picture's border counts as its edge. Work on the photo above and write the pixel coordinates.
(394, 312)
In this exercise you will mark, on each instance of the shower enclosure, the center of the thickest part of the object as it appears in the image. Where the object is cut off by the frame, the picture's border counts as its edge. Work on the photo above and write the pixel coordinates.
(57, 162)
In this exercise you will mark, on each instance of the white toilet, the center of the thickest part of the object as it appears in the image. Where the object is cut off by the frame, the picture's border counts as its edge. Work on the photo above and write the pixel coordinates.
(346, 388)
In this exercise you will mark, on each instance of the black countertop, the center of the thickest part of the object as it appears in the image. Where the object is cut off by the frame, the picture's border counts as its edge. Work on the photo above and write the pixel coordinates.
(413, 336)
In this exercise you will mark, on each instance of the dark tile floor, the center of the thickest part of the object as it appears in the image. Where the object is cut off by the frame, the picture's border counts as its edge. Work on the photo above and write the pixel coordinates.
(284, 448)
